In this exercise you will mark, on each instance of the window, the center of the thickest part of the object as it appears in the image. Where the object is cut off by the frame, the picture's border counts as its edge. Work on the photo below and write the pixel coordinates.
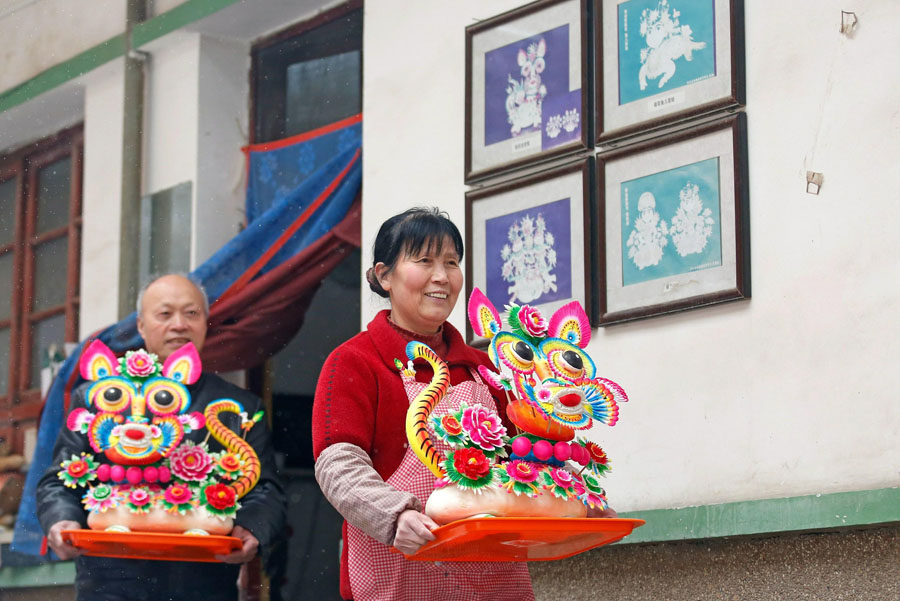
(308, 76)
(40, 222)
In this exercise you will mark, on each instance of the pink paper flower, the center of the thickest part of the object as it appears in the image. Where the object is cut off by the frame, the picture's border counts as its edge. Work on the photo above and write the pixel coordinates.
(140, 364)
(562, 478)
(192, 421)
(79, 420)
(532, 321)
(178, 494)
(484, 427)
(542, 394)
(140, 500)
(191, 462)
(522, 471)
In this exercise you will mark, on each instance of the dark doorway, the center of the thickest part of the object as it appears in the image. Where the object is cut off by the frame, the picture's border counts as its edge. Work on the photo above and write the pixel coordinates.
(305, 78)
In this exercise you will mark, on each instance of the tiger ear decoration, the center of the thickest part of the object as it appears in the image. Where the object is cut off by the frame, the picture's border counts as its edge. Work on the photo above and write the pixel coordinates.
(482, 315)
(183, 365)
(97, 361)
(571, 323)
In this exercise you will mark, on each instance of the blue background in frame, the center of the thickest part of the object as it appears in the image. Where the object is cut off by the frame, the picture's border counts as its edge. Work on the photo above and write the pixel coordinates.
(659, 251)
(502, 63)
(699, 15)
(557, 216)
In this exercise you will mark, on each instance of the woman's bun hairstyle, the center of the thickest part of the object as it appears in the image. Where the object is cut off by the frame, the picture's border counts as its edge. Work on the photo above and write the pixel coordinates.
(374, 284)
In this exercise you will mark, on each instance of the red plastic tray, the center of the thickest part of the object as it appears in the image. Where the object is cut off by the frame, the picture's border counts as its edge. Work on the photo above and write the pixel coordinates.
(151, 545)
(522, 539)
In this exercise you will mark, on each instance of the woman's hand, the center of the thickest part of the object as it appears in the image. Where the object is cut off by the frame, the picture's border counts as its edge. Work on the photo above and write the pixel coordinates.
(413, 531)
(596, 512)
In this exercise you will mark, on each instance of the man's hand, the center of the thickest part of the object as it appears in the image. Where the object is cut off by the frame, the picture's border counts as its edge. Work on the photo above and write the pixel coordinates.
(54, 538)
(246, 552)
(413, 531)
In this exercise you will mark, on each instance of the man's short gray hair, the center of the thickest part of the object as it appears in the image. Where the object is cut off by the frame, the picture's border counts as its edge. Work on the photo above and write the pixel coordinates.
(187, 276)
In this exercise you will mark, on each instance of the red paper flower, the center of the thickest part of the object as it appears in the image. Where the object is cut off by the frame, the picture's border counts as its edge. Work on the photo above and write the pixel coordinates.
(451, 425)
(598, 455)
(219, 496)
(471, 463)
(77, 469)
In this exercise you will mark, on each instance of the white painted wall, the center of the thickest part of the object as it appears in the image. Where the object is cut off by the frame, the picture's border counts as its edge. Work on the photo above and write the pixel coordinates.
(101, 193)
(790, 393)
(223, 124)
(171, 111)
(66, 29)
(196, 123)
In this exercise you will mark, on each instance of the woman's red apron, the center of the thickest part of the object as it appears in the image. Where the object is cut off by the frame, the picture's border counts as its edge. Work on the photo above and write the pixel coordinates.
(376, 573)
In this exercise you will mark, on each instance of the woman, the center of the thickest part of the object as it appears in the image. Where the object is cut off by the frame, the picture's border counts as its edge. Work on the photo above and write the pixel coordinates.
(363, 463)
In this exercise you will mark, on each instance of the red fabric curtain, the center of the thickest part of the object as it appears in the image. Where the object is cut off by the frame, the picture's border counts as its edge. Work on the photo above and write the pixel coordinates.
(258, 320)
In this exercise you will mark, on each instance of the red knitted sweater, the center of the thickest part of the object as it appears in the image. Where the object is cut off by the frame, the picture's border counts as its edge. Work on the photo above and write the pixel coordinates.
(360, 397)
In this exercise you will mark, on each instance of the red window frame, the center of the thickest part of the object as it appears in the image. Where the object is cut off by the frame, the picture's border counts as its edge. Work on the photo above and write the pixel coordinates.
(20, 404)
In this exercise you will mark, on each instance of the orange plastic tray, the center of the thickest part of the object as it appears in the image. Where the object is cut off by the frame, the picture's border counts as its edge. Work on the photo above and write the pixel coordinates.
(522, 539)
(151, 545)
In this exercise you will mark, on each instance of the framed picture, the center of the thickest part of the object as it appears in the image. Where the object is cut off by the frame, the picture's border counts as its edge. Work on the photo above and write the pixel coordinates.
(528, 241)
(673, 226)
(525, 87)
(663, 61)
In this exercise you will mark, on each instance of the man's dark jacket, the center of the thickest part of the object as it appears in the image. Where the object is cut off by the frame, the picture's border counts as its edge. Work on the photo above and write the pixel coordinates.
(262, 512)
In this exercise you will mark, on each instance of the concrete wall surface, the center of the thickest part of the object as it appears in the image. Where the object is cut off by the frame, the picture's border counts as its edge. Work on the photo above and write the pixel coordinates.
(66, 29)
(846, 566)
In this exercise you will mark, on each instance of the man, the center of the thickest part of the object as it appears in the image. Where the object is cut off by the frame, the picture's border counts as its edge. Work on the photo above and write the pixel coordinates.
(172, 311)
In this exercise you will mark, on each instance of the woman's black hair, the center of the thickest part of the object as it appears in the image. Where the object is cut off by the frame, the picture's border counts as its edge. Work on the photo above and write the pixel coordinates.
(407, 234)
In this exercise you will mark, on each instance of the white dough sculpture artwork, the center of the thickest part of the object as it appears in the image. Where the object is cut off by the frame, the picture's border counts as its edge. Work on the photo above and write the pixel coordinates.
(525, 96)
(648, 238)
(692, 224)
(667, 41)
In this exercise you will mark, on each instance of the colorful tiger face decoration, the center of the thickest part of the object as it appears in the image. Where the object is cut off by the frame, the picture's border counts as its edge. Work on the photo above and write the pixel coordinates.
(136, 408)
(153, 477)
(544, 363)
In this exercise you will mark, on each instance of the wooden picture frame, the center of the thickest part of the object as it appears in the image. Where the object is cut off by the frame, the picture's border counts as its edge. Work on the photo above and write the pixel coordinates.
(529, 241)
(660, 62)
(526, 92)
(673, 227)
